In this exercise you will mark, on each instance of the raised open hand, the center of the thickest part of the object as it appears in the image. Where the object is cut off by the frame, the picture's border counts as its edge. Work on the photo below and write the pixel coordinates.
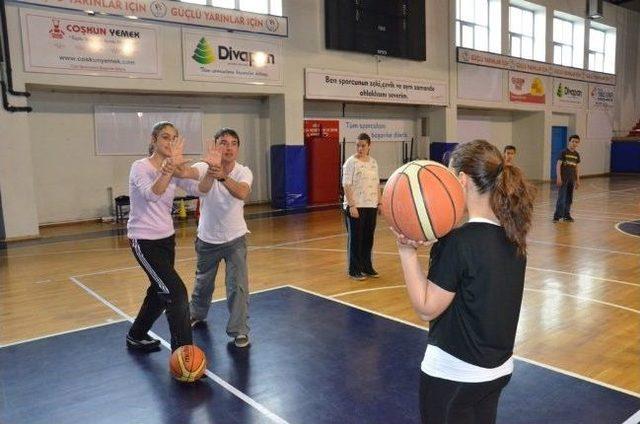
(213, 154)
(177, 152)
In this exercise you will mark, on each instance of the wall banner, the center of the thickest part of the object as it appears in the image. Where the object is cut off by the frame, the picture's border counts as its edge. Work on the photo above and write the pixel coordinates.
(336, 85)
(601, 96)
(219, 57)
(349, 129)
(69, 44)
(494, 60)
(480, 83)
(179, 13)
(569, 93)
(377, 129)
(526, 88)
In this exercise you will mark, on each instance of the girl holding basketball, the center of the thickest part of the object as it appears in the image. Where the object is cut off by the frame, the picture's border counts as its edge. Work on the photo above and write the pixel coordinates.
(152, 183)
(472, 292)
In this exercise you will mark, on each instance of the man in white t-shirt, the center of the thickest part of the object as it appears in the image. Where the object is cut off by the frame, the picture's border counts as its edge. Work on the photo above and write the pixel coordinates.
(221, 235)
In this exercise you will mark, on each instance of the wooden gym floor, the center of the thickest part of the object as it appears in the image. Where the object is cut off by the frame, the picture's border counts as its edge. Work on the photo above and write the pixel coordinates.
(580, 315)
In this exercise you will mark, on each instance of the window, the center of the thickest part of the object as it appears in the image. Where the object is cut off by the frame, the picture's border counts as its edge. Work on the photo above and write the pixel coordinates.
(478, 24)
(602, 48)
(526, 30)
(270, 7)
(568, 40)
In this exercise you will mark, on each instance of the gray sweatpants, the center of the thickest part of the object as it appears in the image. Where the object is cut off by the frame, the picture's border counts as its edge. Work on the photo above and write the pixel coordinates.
(234, 254)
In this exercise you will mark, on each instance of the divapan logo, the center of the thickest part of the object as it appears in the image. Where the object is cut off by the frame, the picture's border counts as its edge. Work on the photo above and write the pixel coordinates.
(563, 90)
(203, 54)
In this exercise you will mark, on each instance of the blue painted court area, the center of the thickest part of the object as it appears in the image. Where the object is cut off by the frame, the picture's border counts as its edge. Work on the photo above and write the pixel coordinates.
(312, 360)
(630, 227)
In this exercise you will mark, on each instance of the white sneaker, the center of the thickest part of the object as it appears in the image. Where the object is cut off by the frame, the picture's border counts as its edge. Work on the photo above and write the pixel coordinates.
(241, 340)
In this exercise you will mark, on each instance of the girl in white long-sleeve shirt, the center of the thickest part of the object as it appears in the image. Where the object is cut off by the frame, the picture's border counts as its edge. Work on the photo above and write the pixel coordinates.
(152, 184)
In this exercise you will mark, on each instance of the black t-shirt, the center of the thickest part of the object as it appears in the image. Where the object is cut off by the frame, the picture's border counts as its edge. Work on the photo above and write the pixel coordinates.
(484, 269)
(568, 167)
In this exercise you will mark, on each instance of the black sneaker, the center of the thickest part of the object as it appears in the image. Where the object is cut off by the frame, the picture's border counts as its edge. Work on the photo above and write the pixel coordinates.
(241, 340)
(197, 322)
(556, 220)
(147, 344)
(373, 273)
(569, 219)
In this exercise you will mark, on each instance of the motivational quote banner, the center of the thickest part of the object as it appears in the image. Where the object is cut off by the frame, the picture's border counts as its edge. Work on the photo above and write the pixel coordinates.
(335, 85)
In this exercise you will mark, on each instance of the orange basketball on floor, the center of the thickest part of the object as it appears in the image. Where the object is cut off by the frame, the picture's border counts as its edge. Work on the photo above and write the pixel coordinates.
(423, 200)
(188, 363)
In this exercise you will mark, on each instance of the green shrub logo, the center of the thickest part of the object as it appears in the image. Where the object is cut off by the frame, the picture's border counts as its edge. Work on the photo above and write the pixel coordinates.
(203, 54)
(560, 93)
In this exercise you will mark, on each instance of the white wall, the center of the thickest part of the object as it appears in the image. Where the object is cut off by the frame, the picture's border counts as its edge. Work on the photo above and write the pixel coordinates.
(522, 129)
(72, 183)
(491, 125)
(16, 175)
(527, 134)
(564, 120)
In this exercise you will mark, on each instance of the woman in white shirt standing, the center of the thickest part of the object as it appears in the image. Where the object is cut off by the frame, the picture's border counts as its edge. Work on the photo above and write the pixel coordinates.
(472, 293)
(361, 182)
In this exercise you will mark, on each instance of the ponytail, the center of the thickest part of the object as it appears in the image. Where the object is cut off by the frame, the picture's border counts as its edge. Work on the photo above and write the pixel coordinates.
(512, 203)
(511, 195)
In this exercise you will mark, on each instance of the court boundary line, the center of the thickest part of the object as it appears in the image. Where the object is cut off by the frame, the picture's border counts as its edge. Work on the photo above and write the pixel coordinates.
(588, 299)
(127, 268)
(40, 241)
(382, 252)
(214, 377)
(580, 217)
(618, 252)
(123, 249)
(357, 307)
(584, 275)
(595, 249)
(369, 289)
(617, 227)
(634, 419)
(588, 212)
(110, 321)
(589, 195)
(530, 361)
(62, 333)
(191, 258)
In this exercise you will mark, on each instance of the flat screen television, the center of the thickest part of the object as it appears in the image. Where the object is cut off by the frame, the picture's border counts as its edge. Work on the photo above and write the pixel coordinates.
(383, 27)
